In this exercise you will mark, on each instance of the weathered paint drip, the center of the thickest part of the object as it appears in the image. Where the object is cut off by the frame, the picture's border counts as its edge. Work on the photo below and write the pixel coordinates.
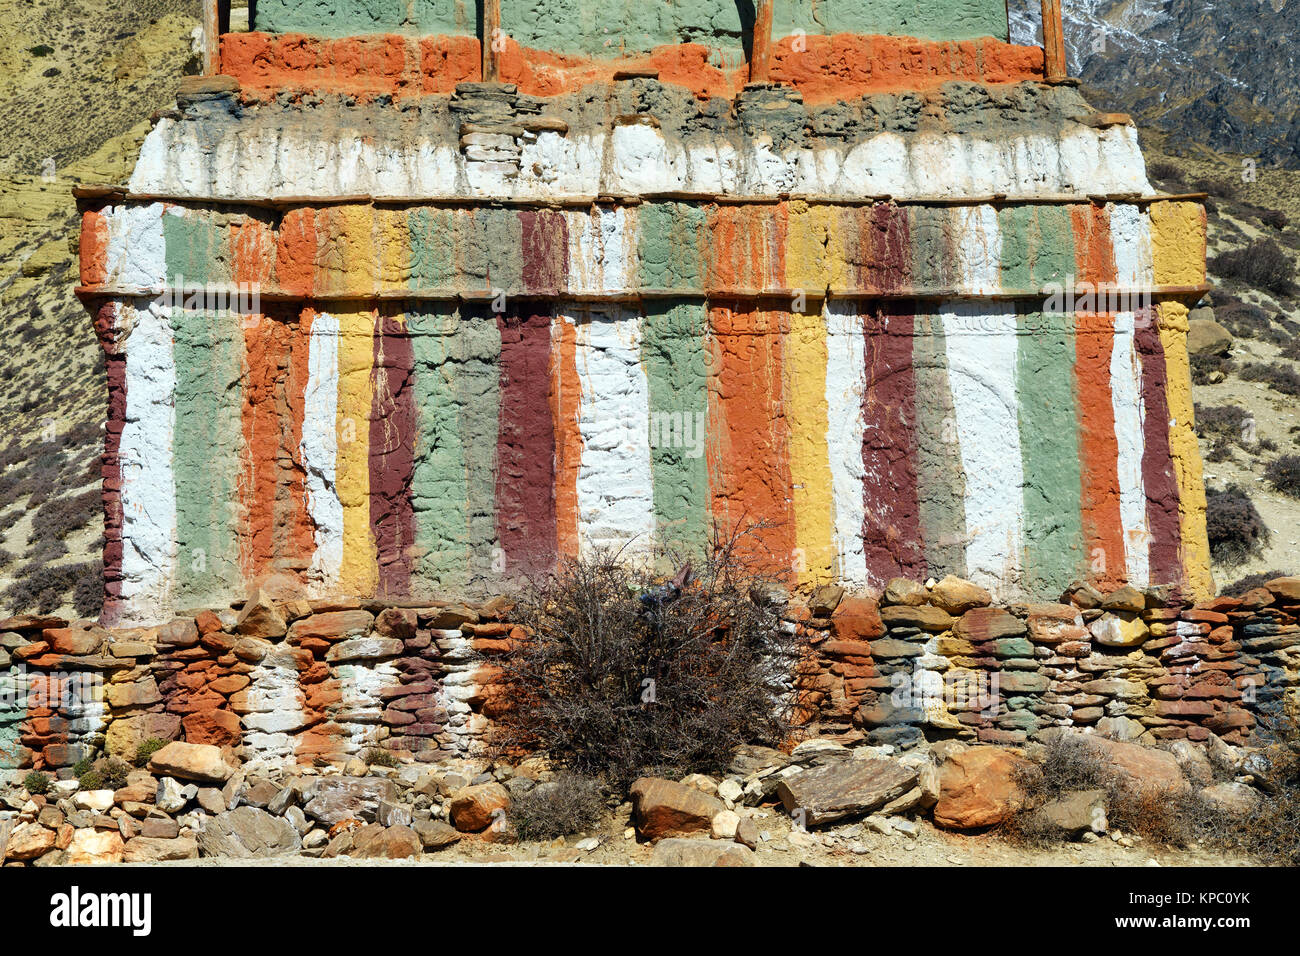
(981, 345)
(392, 453)
(319, 448)
(615, 487)
(892, 537)
(526, 443)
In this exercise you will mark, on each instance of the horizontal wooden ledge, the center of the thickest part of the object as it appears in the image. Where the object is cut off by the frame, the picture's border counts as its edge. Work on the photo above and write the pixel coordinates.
(119, 194)
(446, 295)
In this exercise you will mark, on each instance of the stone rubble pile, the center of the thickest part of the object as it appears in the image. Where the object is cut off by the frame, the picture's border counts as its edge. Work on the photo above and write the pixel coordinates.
(190, 801)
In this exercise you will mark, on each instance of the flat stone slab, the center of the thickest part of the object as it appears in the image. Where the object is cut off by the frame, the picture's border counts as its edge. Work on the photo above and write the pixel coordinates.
(843, 789)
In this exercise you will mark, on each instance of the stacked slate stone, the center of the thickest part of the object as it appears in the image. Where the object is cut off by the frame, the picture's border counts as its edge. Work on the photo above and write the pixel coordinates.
(939, 661)
(268, 681)
(52, 678)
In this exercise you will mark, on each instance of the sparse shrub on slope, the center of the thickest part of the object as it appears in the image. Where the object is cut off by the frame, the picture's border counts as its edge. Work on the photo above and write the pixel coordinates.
(1276, 376)
(623, 674)
(1250, 582)
(1236, 530)
(568, 804)
(1284, 475)
(1262, 264)
(1206, 364)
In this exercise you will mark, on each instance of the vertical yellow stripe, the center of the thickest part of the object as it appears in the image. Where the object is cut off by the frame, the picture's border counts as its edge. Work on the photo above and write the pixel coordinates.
(1178, 242)
(1184, 451)
(359, 573)
(810, 473)
(809, 264)
(356, 231)
(394, 249)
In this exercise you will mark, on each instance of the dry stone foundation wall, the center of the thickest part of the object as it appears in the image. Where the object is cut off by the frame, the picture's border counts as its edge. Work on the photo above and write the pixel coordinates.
(285, 682)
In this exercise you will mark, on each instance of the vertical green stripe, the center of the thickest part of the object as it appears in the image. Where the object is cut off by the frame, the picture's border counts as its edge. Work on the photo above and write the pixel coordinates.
(489, 250)
(453, 484)
(674, 354)
(207, 452)
(1052, 244)
(1049, 447)
(941, 483)
(668, 238)
(433, 264)
(196, 249)
(1016, 223)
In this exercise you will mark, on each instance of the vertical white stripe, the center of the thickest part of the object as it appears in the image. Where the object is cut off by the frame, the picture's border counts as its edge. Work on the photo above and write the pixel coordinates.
(1126, 401)
(979, 249)
(148, 485)
(320, 452)
(598, 250)
(136, 254)
(981, 347)
(1130, 236)
(614, 486)
(845, 380)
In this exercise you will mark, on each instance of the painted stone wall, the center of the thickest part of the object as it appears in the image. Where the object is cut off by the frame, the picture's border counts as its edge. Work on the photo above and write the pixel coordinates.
(595, 28)
(285, 681)
(917, 316)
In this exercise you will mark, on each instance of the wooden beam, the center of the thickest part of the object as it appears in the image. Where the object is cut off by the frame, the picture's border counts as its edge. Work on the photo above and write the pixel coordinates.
(491, 30)
(760, 59)
(1053, 42)
(211, 38)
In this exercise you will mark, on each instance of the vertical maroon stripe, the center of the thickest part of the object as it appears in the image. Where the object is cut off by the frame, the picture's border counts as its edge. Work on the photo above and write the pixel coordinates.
(891, 534)
(891, 248)
(525, 485)
(392, 453)
(111, 463)
(1157, 464)
(545, 250)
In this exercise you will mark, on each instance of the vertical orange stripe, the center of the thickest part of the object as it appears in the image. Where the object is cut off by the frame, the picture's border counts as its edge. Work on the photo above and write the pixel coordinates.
(566, 404)
(292, 516)
(749, 454)
(1099, 449)
(265, 341)
(94, 248)
(295, 255)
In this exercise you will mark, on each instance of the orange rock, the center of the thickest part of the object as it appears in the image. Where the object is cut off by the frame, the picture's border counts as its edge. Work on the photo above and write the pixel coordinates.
(220, 728)
(977, 788)
(857, 619)
(474, 809)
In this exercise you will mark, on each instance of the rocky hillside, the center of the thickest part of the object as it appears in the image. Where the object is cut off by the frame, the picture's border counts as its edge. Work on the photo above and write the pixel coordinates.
(79, 81)
(1224, 74)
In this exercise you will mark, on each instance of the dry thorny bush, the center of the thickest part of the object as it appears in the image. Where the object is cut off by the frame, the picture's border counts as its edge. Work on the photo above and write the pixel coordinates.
(1270, 832)
(624, 673)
